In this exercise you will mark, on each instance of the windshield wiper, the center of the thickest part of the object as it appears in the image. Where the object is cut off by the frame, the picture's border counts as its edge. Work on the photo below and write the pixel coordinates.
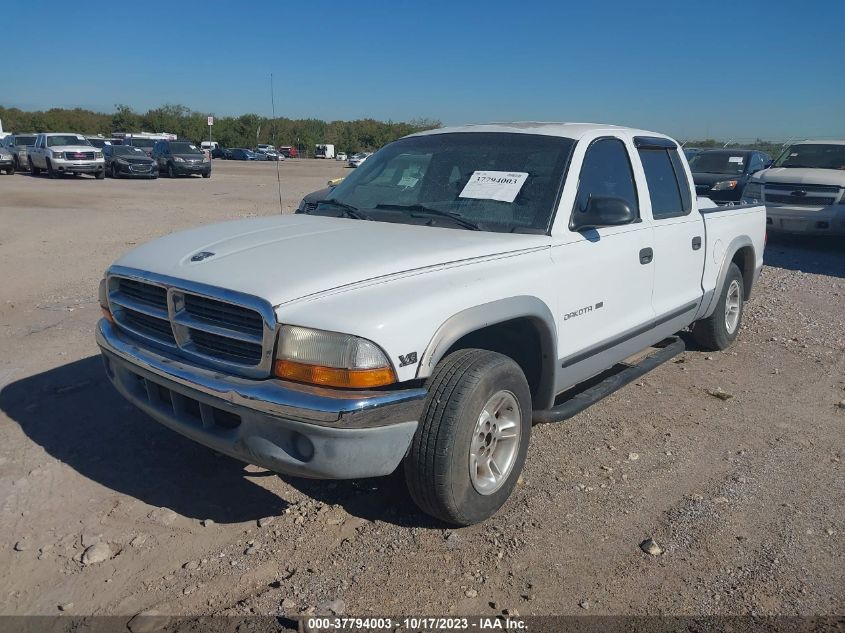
(348, 209)
(457, 218)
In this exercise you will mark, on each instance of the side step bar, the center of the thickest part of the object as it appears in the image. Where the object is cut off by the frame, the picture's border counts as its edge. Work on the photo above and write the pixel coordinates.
(573, 405)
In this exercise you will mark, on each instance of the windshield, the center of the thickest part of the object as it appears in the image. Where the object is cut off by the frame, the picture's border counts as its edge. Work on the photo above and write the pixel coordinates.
(503, 182)
(66, 139)
(141, 142)
(812, 156)
(719, 163)
(127, 150)
(184, 148)
(24, 140)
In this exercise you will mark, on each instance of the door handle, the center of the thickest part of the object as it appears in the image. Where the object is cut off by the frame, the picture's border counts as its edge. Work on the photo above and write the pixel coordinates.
(646, 255)
(696, 243)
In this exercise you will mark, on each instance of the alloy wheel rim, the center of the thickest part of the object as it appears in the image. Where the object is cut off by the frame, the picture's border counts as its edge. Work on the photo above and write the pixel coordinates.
(495, 443)
(733, 302)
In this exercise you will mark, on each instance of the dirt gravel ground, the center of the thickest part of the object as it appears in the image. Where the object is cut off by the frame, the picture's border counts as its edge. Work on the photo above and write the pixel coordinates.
(745, 496)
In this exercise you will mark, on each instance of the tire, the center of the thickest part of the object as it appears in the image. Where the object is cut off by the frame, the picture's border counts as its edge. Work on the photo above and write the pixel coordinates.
(171, 173)
(206, 175)
(10, 170)
(720, 329)
(437, 468)
(51, 173)
(115, 173)
(100, 175)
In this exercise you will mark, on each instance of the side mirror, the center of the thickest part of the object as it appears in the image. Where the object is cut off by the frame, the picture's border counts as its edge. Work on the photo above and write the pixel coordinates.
(602, 211)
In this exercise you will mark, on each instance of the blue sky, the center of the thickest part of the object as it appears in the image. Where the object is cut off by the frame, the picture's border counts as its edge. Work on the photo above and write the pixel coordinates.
(725, 69)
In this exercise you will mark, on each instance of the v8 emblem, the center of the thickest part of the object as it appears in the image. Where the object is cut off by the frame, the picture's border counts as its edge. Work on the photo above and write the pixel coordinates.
(407, 359)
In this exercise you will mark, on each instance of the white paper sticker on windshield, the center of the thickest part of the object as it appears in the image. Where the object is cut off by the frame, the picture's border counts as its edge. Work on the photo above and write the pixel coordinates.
(735, 159)
(407, 181)
(494, 185)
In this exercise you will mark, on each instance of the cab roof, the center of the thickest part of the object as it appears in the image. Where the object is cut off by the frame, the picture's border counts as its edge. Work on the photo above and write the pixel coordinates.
(568, 130)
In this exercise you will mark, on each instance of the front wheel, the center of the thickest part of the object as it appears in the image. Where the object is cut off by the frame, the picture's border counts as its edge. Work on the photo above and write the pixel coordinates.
(171, 173)
(206, 174)
(472, 438)
(720, 329)
(51, 173)
(115, 173)
(100, 175)
(35, 171)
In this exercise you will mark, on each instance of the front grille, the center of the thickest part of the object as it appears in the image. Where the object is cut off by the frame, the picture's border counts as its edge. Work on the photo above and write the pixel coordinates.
(230, 334)
(145, 293)
(310, 206)
(79, 155)
(224, 314)
(148, 325)
(227, 348)
(803, 201)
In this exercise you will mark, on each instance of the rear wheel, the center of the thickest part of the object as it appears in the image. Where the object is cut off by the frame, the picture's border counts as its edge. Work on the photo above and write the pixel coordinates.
(33, 169)
(472, 438)
(720, 329)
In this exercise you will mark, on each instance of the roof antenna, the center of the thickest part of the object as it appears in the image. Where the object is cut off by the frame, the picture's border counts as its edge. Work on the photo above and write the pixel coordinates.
(275, 147)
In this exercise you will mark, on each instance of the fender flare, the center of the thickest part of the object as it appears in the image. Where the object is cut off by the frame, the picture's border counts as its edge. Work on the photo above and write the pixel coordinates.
(499, 311)
(709, 304)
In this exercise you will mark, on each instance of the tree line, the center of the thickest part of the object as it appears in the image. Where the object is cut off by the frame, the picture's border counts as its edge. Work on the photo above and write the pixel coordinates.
(246, 130)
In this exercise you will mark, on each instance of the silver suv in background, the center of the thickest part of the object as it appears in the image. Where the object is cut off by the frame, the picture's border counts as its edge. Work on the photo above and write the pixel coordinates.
(19, 145)
(804, 189)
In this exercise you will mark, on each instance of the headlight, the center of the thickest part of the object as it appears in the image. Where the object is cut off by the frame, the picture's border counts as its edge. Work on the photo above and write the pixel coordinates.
(724, 185)
(104, 300)
(753, 193)
(178, 159)
(56, 154)
(331, 359)
(98, 154)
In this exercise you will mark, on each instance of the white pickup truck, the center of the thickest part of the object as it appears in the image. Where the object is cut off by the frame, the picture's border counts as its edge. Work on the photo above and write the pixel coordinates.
(462, 284)
(63, 153)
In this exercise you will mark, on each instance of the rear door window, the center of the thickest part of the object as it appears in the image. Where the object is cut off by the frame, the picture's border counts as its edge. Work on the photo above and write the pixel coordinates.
(668, 189)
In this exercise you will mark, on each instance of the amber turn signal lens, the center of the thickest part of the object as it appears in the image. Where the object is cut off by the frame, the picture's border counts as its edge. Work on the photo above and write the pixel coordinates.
(333, 376)
(107, 315)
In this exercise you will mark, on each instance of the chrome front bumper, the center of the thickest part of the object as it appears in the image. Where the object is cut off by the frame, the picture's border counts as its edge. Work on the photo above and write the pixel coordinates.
(289, 428)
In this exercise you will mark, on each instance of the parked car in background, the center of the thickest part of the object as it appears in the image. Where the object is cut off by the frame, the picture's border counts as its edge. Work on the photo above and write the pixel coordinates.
(65, 153)
(146, 144)
(268, 154)
(804, 189)
(356, 160)
(19, 145)
(7, 161)
(209, 145)
(721, 174)
(240, 153)
(221, 152)
(125, 161)
(341, 156)
(267, 147)
(181, 158)
(288, 151)
(98, 141)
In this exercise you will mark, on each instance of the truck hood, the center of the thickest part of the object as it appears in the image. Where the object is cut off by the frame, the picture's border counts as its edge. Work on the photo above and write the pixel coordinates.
(792, 175)
(289, 257)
